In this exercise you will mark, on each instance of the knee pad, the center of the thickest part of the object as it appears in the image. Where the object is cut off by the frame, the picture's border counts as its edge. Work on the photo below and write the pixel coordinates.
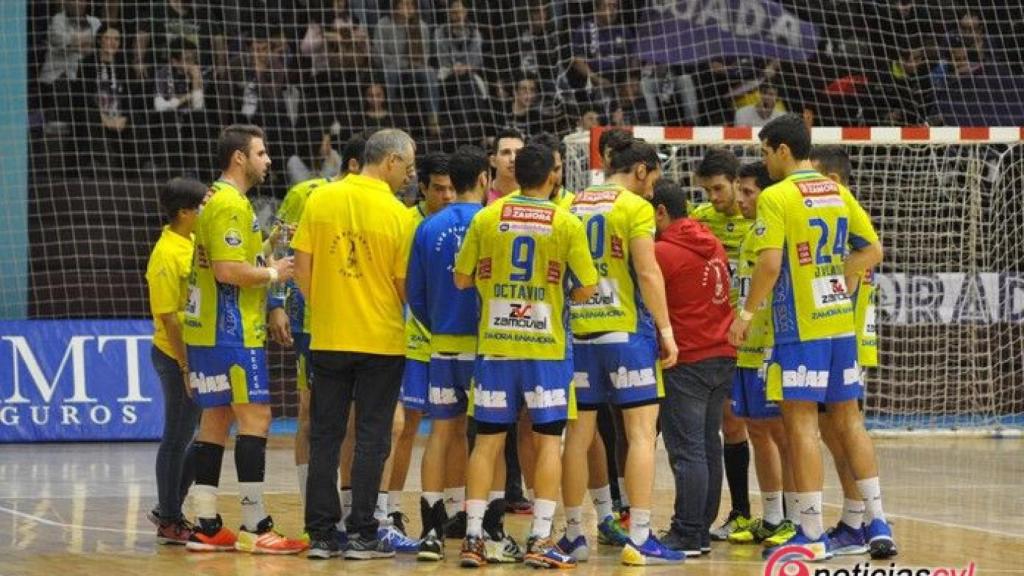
(550, 429)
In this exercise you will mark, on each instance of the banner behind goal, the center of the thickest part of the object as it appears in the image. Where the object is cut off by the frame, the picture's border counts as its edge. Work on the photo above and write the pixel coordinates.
(947, 203)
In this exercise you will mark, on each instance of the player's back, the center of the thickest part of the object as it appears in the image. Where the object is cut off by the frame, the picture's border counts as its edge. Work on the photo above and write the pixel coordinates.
(223, 314)
(613, 216)
(808, 216)
(522, 249)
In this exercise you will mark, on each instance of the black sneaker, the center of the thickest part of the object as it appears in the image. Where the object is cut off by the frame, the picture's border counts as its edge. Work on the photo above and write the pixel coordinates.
(456, 526)
(494, 520)
(431, 548)
(323, 548)
(398, 520)
(363, 548)
(673, 540)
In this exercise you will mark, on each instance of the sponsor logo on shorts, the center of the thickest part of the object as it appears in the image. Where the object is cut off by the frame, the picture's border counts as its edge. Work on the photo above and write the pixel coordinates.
(623, 379)
(442, 396)
(490, 398)
(541, 398)
(851, 376)
(804, 378)
(580, 380)
(209, 384)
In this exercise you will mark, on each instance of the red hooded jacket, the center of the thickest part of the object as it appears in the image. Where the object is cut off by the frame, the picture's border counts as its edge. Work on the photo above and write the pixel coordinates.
(696, 272)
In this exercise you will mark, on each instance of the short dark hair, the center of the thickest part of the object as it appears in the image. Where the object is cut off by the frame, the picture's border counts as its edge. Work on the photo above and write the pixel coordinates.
(611, 137)
(181, 194)
(629, 153)
(506, 133)
(833, 158)
(235, 138)
(533, 165)
(788, 129)
(432, 164)
(759, 172)
(550, 140)
(718, 162)
(465, 166)
(354, 149)
(669, 194)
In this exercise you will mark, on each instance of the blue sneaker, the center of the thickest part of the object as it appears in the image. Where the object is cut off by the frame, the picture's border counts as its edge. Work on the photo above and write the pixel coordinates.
(578, 548)
(880, 542)
(610, 533)
(847, 540)
(400, 542)
(652, 552)
(800, 547)
(542, 553)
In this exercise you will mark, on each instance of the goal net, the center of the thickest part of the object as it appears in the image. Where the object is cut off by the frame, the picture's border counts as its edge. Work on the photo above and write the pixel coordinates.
(947, 204)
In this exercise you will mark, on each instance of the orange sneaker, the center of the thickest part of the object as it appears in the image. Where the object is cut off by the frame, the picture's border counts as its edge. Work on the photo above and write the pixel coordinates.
(266, 540)
(211, 536)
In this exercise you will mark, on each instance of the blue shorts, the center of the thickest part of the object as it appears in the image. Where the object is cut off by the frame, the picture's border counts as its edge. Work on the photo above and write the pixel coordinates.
(819, 371)
(415, 382)
(617, 367)
(451, 377)
(303, 373)
(221, 376)
(749, 396)
(503, 384)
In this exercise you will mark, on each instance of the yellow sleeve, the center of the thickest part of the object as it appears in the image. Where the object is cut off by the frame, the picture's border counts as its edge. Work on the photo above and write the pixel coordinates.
(642, 220)
(303, 238)
(465, 261)
(164, 284)
(770, 226)
(407, 228)
(580, 262)
(227, 233)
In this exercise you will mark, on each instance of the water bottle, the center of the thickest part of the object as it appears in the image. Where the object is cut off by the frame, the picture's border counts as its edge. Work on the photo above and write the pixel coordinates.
(281, 250)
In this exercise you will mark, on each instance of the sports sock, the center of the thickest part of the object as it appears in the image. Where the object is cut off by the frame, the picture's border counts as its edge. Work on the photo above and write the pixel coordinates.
(639, 525)
(810, 514)
(602, 498)
(250, 464)
(573, 522)
(380, 512)
(737, 462)
(871, 490)
(771, 502)
(475, 517)
(792, 500)
(394, 502)
(853, 512)
(454, 500)
(543, 514)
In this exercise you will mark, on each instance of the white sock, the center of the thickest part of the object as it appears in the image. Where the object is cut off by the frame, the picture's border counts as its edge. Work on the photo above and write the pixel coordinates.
(810, 514)
(346, 503)
(380, 512)
(623, 497)
(853, 512)
(602, 498)
(771, 504)
(251, 495)
(394, 502)
(454, 500)
(302, 472)
(432, 498)
(475, 517)
(492, 496)
(529, 494)
(204, 500)
(792, 507)
(573, 522)
(871, 490)
(639, 525)
(543, 514)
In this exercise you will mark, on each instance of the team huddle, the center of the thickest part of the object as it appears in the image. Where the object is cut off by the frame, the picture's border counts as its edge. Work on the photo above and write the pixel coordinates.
(512, 304)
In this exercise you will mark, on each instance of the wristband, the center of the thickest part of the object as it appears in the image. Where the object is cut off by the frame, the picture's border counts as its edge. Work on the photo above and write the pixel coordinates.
(746, 315)
(667, 333)
(273, 274)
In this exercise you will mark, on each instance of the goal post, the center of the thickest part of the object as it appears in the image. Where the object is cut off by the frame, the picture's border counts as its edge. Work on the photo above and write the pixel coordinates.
(947, 203)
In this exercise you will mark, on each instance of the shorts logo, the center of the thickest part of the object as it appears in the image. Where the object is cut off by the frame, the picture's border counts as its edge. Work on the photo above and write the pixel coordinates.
(804, 378)
(209, 384)
(442, 396)
(581, 380)
(624, 379)
(490, 399)
(541, 398)
(851, 376)
(232, 237)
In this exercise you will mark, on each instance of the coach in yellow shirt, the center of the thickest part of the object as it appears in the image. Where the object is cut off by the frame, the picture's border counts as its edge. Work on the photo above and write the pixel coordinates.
(351, 250)
(167, 276)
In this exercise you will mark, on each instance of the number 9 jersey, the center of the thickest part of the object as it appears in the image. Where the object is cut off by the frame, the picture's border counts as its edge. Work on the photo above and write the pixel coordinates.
(811, 219)
(521, 250)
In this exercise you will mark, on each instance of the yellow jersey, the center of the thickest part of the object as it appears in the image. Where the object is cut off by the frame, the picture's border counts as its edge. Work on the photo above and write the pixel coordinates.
(167, 274)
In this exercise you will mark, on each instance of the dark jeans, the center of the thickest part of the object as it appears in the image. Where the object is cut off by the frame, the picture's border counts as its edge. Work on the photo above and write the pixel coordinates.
(691, 421)
(174, 471)
(372, 383)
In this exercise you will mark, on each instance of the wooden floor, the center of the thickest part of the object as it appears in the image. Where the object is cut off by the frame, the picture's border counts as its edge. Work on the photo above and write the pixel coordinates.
(80, 509)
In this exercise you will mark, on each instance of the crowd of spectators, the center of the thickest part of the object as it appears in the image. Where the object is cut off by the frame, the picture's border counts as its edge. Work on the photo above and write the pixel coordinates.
(127, 82)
